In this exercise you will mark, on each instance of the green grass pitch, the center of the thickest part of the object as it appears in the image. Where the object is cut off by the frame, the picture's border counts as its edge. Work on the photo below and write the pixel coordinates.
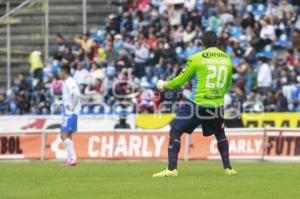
(132, 180)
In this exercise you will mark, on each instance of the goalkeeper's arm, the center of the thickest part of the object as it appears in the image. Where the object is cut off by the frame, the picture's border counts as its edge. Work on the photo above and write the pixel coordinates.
(178, 81)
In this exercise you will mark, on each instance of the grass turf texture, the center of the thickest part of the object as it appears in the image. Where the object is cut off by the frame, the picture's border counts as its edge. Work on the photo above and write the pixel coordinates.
(132, 180)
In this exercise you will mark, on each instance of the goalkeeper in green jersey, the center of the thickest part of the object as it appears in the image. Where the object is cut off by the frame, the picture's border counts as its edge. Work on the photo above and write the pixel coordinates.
(211, 71)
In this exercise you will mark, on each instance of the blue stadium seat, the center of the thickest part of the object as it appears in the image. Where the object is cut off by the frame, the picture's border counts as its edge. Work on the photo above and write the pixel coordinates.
(179, 52)
(266, 52)
(243, 40)
(98, 109)
(200, 6)
(260, 10)
(99, 36)
(249, 8)
(85, 110)
(236, 60)
(229, 50)
(153, 82)
(107, 110)
(235, 31)
(283, 41)
(204, 22)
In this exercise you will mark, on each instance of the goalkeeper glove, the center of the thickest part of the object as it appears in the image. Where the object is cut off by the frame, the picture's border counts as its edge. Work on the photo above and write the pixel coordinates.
(161, 85)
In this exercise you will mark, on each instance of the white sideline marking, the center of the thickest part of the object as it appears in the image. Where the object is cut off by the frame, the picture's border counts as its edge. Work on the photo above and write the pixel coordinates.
(236, 157)
(3, 157)
(276, 158)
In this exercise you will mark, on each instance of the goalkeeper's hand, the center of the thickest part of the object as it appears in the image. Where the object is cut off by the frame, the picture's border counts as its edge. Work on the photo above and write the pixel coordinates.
(161, 85)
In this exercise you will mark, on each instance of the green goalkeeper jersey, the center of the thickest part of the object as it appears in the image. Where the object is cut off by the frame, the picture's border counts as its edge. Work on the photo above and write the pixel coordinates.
(211, 70)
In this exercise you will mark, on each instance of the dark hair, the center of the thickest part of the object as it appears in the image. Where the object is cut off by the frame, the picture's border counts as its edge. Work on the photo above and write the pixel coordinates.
(59, 35)
(66, 69)
(209, 39)
(264, 59)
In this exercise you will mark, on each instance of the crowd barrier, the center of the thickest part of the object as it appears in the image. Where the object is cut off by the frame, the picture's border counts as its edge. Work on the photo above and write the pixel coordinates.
(142, 122)
(248, 144)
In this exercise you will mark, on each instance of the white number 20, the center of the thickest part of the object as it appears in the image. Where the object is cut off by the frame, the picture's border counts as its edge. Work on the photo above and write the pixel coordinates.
(220, 73)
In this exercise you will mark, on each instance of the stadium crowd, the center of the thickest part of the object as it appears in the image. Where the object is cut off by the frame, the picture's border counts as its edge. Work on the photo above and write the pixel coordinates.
(118, 65)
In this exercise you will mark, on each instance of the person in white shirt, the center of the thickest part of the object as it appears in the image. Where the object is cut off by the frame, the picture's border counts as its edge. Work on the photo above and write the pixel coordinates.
(80, 74)
(267, 30)
(264, 76)
(141, 56)
(175, 15)
(267, 34)
(70, 108)
(190, 4)
(189, 34)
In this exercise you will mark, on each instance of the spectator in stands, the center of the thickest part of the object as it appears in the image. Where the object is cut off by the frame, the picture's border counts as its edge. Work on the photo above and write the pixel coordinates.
(3, 105)
(86, 43)
(146, 100)
(13, 105)
(95, 88)
(214, 22)
(285, 8)
(282, 103)
(189, 34)
(123, 61)
(23, 84)
(101, 57)
(36, 64)
(108, 85)
(250, 54)
(80, 73)
(142, 5)
(59, 47)
(264, 76)
(68, 58)
(190, 50)
(291, 59)
(118, 43)
(267, 33)
(154, 40)
(56, 87)
(77, 50)
(141, 54)
(122, 123)
(111, 55)
(175, 15)
(40, 102)
(155, 62)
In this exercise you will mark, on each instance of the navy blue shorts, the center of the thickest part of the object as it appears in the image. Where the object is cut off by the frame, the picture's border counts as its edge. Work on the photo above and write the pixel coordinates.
(189, 116)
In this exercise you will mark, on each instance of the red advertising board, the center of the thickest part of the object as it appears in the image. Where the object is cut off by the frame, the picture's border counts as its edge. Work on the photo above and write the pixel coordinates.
(108, 145)
(152, 145)
(241, 146)
(282, 145)
(20, 146)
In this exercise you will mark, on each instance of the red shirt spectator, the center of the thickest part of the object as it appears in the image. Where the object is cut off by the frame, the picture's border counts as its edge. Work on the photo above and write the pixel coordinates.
(142, 5)
(152, 41)
(290, 58)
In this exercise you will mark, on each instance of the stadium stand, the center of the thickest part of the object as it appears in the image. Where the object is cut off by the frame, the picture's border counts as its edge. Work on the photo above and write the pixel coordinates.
(28, 28)
(149, 40)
